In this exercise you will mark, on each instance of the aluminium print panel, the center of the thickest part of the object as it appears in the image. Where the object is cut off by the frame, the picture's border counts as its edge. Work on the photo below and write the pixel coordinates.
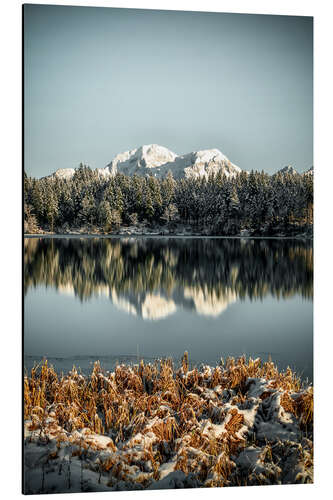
(168, 253)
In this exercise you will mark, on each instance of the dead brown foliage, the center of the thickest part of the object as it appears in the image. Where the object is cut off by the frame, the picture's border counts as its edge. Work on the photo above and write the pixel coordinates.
(161, 401)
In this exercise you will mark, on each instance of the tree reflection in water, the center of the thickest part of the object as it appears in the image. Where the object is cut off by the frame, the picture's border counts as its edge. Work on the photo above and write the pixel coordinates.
(151, 276)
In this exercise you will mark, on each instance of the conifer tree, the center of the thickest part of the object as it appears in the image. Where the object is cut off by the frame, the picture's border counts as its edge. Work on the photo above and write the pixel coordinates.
(148, 203)
(258, 202)
(51, 208)
(87, 213)
(105, 215)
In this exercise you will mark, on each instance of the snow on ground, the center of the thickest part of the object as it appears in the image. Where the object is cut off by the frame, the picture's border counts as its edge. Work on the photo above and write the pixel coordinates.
(189, 428)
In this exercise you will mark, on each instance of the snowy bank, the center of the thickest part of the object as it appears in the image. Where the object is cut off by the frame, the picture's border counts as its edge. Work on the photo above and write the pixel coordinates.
(151, 426)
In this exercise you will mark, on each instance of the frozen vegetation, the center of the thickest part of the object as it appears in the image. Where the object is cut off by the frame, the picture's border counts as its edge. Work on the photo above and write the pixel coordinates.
(154, 426)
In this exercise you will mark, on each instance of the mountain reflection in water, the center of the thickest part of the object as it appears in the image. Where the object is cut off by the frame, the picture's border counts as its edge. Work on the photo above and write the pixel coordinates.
(152, 278)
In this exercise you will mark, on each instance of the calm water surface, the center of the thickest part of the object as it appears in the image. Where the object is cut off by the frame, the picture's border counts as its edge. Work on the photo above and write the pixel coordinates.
(117, 298)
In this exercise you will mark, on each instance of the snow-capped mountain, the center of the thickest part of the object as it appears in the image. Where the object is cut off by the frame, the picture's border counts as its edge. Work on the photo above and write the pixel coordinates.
(289, 169)
(142, 160)
(157, 161)
(63, 173)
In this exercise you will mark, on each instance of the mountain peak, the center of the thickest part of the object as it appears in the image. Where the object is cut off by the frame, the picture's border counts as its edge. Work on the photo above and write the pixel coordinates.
(289, 169)
(63, 173)
(157, 161)
(146, 156)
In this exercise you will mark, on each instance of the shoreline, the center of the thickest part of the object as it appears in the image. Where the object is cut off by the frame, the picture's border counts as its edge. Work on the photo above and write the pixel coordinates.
(163, 236)
(109, 362)
(154, 426)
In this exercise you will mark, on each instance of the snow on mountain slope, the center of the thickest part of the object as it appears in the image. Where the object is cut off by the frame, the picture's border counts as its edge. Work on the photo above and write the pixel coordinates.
(203, 163)
(157, 161)
(63, 173)
(141, 160)
(289, 169)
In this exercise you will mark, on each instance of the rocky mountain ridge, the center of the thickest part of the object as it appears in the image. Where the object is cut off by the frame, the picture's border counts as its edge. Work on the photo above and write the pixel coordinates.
(157, 161)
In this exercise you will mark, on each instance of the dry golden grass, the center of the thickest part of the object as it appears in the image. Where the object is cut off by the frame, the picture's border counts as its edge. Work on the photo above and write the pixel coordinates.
(170, 404)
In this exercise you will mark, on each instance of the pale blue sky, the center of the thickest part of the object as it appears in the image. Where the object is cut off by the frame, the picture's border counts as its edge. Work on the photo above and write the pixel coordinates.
(99, 81)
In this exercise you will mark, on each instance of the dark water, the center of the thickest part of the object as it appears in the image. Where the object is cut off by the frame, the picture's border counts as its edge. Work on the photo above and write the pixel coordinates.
(149, 297)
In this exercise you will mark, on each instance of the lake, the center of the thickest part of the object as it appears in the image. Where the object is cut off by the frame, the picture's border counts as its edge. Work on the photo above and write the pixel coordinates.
(123, 299)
